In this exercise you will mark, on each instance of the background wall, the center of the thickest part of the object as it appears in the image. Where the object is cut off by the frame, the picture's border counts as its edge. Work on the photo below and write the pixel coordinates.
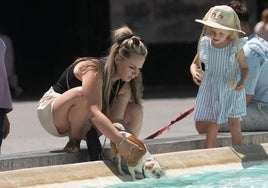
(48, 35)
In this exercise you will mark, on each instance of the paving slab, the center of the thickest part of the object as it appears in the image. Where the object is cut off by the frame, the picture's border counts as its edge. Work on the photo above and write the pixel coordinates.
(161, 106)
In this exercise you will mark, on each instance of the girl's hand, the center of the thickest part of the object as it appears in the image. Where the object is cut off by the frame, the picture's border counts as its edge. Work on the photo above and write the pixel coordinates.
(195, 70)
(197, 76)
(239, 86)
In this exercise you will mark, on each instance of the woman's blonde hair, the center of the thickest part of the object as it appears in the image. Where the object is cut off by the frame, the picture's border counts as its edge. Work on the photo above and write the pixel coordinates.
(125, 44)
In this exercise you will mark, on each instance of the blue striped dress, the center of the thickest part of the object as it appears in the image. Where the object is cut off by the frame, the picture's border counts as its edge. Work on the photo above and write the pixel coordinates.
(215, 102)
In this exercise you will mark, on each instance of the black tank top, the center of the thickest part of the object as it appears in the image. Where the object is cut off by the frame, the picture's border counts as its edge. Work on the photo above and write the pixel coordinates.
(115, 90)
(61, 85)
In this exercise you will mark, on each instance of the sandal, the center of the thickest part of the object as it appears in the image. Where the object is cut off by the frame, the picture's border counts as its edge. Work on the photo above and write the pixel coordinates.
(72, 146)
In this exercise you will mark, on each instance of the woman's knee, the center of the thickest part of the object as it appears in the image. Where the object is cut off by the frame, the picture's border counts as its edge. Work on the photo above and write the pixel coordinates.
(134, 110)
(76, 94)
(133, 118)
(69, 108)
(69, 98)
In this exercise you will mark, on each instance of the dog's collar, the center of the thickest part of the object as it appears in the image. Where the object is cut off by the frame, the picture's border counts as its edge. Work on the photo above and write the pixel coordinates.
(147, 160)
(143, 173)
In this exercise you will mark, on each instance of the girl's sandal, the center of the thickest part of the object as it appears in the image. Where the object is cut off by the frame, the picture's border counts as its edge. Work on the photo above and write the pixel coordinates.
(72, 146)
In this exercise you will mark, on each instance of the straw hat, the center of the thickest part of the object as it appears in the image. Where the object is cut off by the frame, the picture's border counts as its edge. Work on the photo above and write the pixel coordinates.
(222, 17)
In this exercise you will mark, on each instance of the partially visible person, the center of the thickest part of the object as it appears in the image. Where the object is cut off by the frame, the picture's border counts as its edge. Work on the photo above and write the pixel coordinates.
(221, 94)
(93, 93)
(256, 87)
(16, 90)
(261, 28)
(5, 96)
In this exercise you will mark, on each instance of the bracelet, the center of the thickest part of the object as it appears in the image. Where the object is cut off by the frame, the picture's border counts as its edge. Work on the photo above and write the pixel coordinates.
(122, 141)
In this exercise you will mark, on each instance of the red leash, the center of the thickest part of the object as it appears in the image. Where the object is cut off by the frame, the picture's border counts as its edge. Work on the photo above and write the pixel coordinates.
(181, 116)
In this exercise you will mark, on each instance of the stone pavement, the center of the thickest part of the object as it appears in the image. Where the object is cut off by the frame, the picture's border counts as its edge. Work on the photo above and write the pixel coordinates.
(105, 174)
(29, 145)
(161, 106)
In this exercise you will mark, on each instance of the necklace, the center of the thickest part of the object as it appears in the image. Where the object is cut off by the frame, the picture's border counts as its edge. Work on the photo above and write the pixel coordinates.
(116, 89)
(115, 92)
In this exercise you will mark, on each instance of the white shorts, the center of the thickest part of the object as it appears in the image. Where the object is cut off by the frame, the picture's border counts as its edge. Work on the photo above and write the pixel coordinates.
(44, 112)
(45, 115)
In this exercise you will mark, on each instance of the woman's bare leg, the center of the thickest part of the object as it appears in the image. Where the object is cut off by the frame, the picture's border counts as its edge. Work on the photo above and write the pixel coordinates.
(133, 118)
(69, 113)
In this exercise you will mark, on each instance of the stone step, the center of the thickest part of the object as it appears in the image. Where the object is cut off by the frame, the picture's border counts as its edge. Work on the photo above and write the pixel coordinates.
(155, 146)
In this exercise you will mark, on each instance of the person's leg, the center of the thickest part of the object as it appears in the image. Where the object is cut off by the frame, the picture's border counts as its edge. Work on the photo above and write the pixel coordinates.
(212, 131)
(2, 116)
(133, 118)
(235, 130)
(224, 127)
(201, 127)
(70, 114)
(94, 146)
(256, 118)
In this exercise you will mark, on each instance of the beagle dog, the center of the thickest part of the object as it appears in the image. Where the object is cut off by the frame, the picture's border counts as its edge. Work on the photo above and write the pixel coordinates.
(140, 161)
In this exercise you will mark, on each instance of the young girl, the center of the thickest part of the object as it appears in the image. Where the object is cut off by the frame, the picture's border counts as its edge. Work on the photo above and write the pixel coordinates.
(221, 95)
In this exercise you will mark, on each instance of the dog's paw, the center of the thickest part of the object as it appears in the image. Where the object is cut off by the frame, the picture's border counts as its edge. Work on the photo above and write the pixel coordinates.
(121, 172)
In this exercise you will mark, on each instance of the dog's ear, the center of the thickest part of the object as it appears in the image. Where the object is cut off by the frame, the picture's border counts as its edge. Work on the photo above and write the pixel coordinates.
(136, 154)
(135, 140)
(135, 157)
